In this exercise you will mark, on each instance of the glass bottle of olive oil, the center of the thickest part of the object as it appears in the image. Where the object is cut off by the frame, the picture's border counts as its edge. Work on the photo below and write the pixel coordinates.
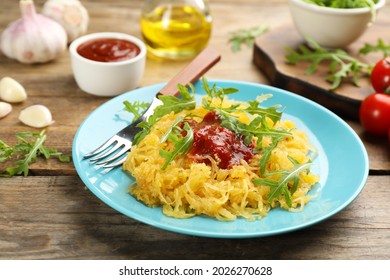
(176, 29)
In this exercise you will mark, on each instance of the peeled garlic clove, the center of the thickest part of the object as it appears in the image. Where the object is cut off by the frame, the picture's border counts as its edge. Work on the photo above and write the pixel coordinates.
(36, 116)
(5, 109)
(12, 91)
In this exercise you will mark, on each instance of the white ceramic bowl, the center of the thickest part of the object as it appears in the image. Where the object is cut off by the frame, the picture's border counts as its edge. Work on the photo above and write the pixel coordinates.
(107, 78)
(331, 27)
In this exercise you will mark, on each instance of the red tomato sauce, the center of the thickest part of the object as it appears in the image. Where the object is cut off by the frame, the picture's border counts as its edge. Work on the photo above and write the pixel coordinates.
(220, 143)
(108, 50)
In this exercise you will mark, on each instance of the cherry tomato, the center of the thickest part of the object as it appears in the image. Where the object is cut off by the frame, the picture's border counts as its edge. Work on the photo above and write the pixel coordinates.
(374, 114)
(380, 76)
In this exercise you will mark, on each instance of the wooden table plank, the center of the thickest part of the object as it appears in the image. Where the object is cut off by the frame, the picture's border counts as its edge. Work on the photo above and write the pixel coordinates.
(58, 218)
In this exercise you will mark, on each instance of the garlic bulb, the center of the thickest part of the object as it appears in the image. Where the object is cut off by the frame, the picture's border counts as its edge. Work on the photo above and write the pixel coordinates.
(5, 109)
(34, 38)
(12, 91)
(71, 14)
(36, 116)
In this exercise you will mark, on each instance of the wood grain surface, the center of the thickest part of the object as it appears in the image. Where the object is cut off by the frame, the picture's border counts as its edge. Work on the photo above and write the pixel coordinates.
(50, 214)
(67, 222)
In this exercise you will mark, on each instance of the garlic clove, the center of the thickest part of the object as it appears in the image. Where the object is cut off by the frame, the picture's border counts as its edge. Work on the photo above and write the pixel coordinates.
(12, 91)
(36, 116)
(5, 109)
(71, 14)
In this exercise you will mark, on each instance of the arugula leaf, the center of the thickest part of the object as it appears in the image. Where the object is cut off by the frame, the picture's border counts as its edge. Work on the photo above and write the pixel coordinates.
(279, 187)
(252, 129)
(270, 112)
(170, 104)
(171, 129)
(182, 143)
(136, 107)
(379, 47)
(219, 93)
(342, 65)
(216, 92)
(145, 129)
(246, 36)
(294, 186)
(6, 151)
(253, 108)
(346, 70)
(26, 151)
(175, 104)
(267, 152)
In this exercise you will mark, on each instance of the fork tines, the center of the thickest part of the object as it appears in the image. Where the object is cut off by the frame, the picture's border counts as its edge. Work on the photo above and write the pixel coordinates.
(113, 152)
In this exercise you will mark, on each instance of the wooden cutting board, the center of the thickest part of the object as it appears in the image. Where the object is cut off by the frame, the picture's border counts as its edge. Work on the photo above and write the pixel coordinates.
(269, 56)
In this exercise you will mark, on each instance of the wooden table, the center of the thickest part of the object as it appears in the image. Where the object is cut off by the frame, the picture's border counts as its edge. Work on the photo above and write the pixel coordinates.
(50, 214)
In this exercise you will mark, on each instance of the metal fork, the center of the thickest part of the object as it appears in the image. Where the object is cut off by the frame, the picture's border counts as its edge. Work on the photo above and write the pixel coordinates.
(112, 153)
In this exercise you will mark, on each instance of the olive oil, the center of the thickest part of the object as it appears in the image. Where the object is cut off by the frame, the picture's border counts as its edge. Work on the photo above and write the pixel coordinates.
(176, 31)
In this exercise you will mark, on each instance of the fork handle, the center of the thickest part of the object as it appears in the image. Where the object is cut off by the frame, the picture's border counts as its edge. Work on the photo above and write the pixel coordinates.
(193, 71)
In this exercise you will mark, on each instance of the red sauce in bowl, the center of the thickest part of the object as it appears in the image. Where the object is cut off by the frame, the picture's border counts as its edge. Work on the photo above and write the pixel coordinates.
(108, 50)
(220, 143)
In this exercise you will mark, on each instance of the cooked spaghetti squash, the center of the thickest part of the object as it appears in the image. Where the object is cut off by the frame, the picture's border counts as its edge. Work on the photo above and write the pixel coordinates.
(222, 159)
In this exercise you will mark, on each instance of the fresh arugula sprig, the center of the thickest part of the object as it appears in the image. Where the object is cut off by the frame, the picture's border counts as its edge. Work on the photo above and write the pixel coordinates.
(270, 112)
(286, 184)
(254, 129)
(253, 108)
(181, 143)
(381, 46)
(218, 93)
(342, 65)
(136, 108)
(267, 152)
(175, 104)
(170, 104)
(257, 127)
(30, 146)
(246, 36)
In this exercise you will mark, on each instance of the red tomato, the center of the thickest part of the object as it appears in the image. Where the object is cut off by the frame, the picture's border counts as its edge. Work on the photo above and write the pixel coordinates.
(380, 76)
(374, 114)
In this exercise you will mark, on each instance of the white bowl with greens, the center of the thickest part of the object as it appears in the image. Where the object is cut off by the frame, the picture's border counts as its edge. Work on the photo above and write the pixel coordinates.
(334, 23)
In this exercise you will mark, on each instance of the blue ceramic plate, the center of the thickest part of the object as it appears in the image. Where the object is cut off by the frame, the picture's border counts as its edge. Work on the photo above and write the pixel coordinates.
(342, 164)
